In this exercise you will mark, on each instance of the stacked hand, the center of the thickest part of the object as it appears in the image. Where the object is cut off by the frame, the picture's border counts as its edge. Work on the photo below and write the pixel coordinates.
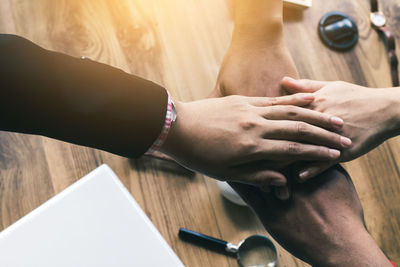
(369, 115)
(322, 223)
(254, 65)
(252, 70)
(235, 138)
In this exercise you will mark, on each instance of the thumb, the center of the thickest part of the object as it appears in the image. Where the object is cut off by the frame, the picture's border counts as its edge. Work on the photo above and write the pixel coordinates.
(302, 86)
(313, 169)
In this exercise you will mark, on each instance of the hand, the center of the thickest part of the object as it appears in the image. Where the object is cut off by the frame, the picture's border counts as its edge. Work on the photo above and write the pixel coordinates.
(255, 67)
(368, 115)
(322, 223)
(255, 63)
(229, 138)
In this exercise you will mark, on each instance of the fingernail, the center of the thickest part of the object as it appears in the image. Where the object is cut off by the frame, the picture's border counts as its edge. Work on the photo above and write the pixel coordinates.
(278, 182)
(304, 175)
(337, 121)
(334, 153)
(346, 142)
(309, 97)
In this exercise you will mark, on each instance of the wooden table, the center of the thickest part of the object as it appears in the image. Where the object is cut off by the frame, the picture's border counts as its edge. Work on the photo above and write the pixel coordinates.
(180, 44)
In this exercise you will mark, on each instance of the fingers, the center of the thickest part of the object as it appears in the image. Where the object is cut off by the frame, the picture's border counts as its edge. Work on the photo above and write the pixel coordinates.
(302, 99)
(289, 150)
(294, 113)
(313, 169)
(302, 86)
(304, 132)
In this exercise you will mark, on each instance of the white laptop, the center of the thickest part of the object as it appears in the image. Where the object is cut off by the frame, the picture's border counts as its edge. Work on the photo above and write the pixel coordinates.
(94, 222)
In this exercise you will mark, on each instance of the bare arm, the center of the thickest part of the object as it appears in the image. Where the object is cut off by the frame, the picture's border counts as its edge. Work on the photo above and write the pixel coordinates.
(257, 58)
(307, 224)
(322, 223)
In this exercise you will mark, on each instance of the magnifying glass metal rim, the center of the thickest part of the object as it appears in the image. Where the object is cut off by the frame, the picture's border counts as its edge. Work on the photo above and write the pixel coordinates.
(219, 245)
(271, 245)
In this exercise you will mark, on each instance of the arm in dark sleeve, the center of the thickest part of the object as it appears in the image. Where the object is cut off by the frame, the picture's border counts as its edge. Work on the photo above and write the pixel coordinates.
(77, 100)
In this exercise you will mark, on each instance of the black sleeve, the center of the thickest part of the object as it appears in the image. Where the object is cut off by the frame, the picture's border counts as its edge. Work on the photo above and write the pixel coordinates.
(77, 100)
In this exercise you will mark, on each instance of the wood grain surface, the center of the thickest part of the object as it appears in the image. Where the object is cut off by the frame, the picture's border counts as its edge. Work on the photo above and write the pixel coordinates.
(180, 44)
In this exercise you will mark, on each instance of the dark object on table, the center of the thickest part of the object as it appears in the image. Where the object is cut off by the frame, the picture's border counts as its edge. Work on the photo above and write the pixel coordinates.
(256, 250)
(338, 31)
(378, 22)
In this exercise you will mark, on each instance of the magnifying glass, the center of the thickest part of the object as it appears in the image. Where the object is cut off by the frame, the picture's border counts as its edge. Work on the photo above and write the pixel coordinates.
(254, 251)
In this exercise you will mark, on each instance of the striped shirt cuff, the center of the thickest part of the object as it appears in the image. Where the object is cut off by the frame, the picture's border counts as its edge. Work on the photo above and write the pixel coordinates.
(165, 130)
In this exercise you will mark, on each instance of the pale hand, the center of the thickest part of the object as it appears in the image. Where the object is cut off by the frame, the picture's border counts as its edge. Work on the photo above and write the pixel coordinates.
(230, 138)
(368, 115)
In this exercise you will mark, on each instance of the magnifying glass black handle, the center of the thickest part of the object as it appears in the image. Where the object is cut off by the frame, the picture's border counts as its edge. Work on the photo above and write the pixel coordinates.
(205, 241)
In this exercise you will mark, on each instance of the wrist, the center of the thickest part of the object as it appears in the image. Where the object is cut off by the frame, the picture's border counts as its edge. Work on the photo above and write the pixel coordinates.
(359, 250)
(258, 13)
(170, 145)
(392, 100)
(262, 34)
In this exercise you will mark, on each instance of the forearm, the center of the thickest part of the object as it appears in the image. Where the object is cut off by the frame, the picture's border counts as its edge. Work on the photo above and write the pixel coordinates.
(257, 14)
(321, 224)
(77, 100)
(258, 21)
(360, 250)
(257, 58)
(367, 252)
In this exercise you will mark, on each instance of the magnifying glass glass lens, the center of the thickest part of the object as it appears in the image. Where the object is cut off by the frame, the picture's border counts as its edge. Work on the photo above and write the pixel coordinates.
(257, 251)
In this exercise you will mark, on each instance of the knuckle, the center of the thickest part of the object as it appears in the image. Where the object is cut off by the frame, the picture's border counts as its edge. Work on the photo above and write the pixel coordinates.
(291, 112)
(267, 112)
(273, 101)
(272, 110)
(249, 122)
(322, 152)
(293, 149)
(247, 145)
(326, 119)
(303, 128)
(248, 125)
(276, 111)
